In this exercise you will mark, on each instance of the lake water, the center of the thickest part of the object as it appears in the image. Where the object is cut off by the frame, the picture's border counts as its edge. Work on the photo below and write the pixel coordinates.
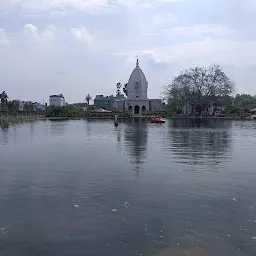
(181, 188)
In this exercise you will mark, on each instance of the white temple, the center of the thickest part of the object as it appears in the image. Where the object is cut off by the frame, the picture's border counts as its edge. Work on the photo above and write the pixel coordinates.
(137, 92)
(137, 101)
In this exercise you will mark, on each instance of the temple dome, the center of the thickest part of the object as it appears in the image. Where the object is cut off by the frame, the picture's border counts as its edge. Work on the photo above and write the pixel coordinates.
(137, 86)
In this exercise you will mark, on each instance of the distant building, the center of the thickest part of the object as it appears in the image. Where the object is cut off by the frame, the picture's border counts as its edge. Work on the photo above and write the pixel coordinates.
(30, 106)
(156, 105)
(119, 102)
(38, 107)
(208, 110)
(21, 105)
(57, 100)
(105, 102)
(81, 106)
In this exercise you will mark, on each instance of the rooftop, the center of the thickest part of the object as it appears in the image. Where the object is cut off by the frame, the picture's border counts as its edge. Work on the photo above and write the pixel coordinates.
(56, 96)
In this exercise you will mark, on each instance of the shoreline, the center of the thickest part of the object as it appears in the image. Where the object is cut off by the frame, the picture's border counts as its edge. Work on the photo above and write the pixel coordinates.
(10, 118)
(30, 116)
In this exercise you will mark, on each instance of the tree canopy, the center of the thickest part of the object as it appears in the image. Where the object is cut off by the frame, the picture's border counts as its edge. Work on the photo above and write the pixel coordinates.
(198, 89)
(125, 89)
(118, 87)
(3, 100)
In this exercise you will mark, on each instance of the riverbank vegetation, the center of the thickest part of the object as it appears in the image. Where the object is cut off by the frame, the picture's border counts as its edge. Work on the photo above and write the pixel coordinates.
(15, 106)
(68, 111)
(206, 91)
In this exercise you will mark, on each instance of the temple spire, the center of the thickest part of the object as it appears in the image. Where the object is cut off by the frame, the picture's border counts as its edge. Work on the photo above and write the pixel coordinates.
(137, 63)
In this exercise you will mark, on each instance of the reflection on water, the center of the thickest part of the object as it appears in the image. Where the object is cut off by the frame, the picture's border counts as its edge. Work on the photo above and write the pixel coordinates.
(136, 136)
(4, 129)
(168, 211)
(200, 141)
(4, 125)
(59, 127)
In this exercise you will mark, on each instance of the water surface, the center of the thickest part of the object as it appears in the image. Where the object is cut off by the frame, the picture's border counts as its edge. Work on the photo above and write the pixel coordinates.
(181, 188)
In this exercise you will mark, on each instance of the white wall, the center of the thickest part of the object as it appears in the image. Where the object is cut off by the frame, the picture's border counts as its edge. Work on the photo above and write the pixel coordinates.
(57, 101)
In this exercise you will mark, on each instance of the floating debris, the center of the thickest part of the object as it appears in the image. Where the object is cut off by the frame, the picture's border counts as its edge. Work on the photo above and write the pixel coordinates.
(3, 230)
(243, 229)
(228, 235)
(114, 210)
(75, 205)
(251, 207)
(234, 199)
(254, 238)
(125, 204)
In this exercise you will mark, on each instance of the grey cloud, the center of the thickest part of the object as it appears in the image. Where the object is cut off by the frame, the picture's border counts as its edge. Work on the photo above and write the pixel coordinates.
(167, 36)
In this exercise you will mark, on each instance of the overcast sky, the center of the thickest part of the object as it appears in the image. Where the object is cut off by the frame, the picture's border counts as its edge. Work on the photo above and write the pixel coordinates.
(75, 47)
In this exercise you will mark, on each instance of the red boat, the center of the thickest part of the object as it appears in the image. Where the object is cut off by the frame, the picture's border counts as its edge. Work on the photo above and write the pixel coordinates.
(157, 120)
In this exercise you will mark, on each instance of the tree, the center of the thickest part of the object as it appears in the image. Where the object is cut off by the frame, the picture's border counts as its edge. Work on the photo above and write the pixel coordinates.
(88, 98)
(244, 103)
(57, 111)
(29, 107)
(13, 106)
(4, 100)
(199, 89)
(125, 89)
(118, 86)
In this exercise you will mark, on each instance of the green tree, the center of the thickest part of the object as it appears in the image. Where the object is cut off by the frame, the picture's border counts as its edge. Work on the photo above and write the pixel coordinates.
(57, 111)
(29, 107)
(125, 89)
(92, 107)
(13, 106)
(244, 103)
(4, 100)
(118, 87)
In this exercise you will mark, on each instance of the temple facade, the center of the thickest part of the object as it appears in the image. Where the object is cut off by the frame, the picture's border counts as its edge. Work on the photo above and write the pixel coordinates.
(137, 101)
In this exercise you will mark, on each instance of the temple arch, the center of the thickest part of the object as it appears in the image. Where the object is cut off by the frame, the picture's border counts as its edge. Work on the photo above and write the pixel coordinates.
(136, 109)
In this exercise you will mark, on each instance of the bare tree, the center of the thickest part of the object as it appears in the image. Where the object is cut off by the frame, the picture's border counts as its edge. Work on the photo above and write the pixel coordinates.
(199, 88)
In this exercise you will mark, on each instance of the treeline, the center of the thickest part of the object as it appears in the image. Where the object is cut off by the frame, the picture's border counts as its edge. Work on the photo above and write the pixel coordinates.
(206, 91)
(68, 111)
(14, 106)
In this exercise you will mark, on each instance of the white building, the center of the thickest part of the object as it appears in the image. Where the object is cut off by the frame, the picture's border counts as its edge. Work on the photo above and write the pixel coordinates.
(57, 100)
(137, 101)
(22, 105)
